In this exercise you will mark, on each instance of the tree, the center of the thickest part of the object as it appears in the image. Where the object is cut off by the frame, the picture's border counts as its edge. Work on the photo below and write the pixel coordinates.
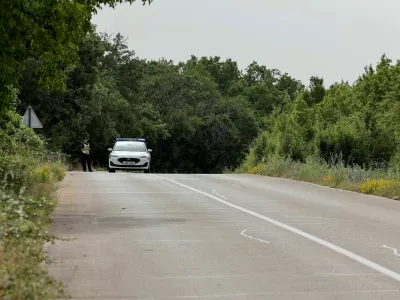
(51, 30)
(223, 73)
(350, 124)
(316, 91)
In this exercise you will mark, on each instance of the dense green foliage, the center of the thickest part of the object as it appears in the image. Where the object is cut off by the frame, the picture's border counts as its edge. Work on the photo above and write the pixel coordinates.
(50, 30)
(199, 116)
(28, 174)
(354, 124)
(41, 46)
(379, 180)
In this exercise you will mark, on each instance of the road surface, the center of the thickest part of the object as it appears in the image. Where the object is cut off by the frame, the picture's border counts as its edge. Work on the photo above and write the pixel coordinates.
(154, 236)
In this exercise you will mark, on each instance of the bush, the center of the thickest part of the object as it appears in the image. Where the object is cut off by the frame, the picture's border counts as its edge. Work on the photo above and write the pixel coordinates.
(28, 175)
(379, 180)
(43, 174)
(381, 187)
(58, 170)
(24, 222)
(20, 277)
(253, 171)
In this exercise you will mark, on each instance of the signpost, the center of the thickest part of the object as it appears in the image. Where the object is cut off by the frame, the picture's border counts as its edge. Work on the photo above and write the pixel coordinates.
(30, 119)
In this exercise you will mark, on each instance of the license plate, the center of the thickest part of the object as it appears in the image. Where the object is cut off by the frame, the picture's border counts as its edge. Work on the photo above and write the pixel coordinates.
(129, 162)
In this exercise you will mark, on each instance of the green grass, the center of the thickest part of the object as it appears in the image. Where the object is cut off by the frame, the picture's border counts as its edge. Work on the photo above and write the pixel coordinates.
(377, 180)
(27, 191)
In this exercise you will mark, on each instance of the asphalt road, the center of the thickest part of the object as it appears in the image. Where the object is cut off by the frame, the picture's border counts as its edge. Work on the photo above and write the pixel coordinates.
(154, 236)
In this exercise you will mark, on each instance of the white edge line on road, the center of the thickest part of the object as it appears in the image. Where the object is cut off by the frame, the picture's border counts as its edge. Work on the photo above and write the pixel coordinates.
(220, 195)
(338, 249)
(215, 192)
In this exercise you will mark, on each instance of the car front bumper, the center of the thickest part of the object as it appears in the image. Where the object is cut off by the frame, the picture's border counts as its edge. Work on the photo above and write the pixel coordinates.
(128, 163)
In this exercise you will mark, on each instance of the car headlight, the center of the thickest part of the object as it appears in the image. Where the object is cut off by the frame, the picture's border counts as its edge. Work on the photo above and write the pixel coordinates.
(144, 156)
(113, 155)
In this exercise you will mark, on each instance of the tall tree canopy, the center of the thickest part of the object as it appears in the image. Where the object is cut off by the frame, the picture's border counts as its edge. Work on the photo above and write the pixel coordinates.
(199, 116)
(202, 115)
(351, 124)
(50, 30)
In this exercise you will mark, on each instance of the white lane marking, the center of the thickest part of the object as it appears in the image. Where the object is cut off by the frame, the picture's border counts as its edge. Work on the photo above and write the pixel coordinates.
(215, 192)
(394, 250)
(252, 238)
(338, 249)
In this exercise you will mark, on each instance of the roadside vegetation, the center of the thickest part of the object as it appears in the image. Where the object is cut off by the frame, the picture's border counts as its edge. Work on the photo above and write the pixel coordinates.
(28, 178)
(347, 136)
(199, 116)
(204, 115)
(377, 180)
(42, 36)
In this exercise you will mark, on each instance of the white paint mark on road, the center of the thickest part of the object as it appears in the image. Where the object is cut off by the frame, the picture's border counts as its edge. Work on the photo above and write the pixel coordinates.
(235, 185)
(394, 250)
(215, 192)
(347, 253)
(252, 238)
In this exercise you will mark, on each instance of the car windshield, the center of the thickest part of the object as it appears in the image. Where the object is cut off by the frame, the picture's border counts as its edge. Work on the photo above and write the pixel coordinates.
(132, 147)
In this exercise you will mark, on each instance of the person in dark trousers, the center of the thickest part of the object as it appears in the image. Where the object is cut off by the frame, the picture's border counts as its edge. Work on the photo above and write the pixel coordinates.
(85, 149)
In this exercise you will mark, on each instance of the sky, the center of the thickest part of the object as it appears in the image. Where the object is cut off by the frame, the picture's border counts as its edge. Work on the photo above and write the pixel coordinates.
(333, 39)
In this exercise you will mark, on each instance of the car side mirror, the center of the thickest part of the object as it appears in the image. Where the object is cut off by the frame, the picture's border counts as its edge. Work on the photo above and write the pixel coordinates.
(109, 149)
(149, 150)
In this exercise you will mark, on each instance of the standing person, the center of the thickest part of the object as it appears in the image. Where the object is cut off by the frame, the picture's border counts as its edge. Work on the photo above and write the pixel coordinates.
(85, 148)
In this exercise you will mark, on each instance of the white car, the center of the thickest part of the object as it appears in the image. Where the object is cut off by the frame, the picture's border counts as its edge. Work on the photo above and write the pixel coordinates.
(129, 154)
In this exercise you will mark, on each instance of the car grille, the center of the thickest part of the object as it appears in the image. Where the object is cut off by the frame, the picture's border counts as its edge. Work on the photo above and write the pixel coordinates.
(122, 159)
(129, 166)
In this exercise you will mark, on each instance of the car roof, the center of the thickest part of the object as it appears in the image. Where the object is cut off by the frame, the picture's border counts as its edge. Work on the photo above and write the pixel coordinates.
(130, 142)
(131, 139)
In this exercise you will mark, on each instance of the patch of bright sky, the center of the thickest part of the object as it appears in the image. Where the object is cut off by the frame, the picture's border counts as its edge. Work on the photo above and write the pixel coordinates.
(334, 39)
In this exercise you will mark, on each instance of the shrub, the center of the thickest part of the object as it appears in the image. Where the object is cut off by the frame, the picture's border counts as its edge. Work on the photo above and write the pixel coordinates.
(23, 231)
(253, 170)
(380, 181)
(44, 174)
(27, 185)
(58, 170)
(379, 186)
(24, 223)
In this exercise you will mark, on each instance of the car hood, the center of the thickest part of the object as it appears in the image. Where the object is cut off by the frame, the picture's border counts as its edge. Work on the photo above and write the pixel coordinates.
(128, 154)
